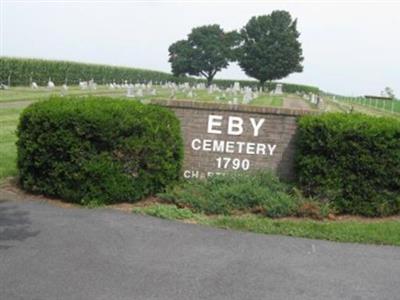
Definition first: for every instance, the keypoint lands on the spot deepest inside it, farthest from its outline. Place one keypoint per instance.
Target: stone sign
(224, 137)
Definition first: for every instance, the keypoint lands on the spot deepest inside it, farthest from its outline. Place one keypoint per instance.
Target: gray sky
(350, 47)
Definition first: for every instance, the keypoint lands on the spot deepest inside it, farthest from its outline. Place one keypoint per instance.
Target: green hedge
(352, 160)
(98, 150)
(22, 70)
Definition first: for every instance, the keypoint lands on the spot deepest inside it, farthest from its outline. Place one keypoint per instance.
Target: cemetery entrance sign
(220, 138)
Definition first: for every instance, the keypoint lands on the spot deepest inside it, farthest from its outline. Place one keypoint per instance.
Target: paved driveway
(48, 252)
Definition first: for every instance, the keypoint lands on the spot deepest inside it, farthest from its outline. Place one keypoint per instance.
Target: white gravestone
(50, 85)
(236, 87)
(278, 89)
(247, 96)
(83, 85)
(129, 91)
(139, 93)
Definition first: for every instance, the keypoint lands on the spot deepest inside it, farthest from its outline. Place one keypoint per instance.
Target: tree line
(266, 48)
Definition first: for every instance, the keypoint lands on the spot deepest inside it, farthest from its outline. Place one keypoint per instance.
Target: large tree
(270, 48)
(207, 50)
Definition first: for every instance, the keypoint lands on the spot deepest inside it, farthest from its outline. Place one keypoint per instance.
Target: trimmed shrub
(260, 192)
(352, 160)
(97, 150)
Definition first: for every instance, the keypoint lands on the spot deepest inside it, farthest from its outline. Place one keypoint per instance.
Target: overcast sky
(350, 47)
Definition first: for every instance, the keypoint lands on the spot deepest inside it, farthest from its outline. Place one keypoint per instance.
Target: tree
(389, 92)
(207, 50)
(270, 48)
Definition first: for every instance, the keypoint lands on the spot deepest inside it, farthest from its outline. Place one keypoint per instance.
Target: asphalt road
(48, 252)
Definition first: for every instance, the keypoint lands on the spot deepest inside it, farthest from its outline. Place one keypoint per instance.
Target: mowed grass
(368, 106)
(266, 100)
(28, 94)
(387, 105)
(382, 232)
(8, 153)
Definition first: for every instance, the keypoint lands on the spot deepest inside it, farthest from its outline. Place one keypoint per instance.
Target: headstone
(313, 99)
(236, 87)
(248, 95)
(200, 86)
(3, 86)
(83, 85)
(139, 93)
(278, 89)
(64, 89)
(173, 94)
(50, 85)
(92, 85)
(129, 91)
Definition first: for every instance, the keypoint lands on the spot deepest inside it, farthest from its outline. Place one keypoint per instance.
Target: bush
(352, 160)
(233, 192)
(97, 150)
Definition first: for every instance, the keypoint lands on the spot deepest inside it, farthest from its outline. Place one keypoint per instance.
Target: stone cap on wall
(190, 104)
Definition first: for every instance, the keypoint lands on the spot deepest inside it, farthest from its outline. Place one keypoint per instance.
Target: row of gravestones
(234, 93)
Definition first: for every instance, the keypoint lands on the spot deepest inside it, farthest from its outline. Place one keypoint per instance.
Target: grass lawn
(365, 106)
(28, 94)
(268, 101)
(382, 232)
(8, 125)
(390, 106)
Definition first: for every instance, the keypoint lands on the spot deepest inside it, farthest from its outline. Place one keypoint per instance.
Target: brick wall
(267, 140)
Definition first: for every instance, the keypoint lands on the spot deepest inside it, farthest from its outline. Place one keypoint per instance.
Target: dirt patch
(9, 190)
(128, 207)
